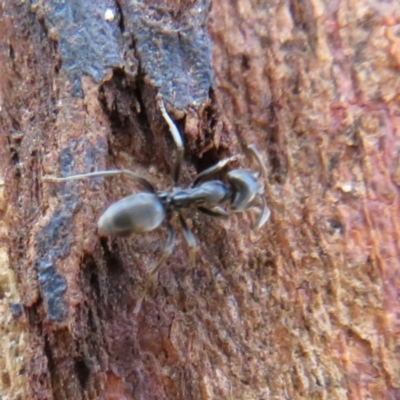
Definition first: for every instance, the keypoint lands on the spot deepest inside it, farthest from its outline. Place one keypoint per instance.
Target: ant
(142, 212)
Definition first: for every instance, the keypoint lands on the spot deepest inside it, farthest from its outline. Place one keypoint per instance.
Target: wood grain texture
(307, 307)
(318, 85)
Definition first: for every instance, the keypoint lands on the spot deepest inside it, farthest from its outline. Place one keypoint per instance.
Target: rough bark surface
(305, 308)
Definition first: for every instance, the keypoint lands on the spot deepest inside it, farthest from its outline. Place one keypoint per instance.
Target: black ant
(142, 212)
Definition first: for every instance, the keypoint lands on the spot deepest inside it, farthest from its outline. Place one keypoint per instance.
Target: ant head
(246, 188)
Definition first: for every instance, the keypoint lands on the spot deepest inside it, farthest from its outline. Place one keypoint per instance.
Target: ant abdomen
(138, 213)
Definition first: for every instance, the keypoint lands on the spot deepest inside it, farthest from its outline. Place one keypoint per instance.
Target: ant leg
(258, 157)
(213, 169)
(177, 139)
(264, 214)
(169, 247)
(190, 240)
(126, 172)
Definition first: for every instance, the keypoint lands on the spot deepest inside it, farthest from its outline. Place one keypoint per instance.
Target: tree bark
(306, 307)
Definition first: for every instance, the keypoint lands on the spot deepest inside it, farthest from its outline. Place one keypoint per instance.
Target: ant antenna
(260, 162)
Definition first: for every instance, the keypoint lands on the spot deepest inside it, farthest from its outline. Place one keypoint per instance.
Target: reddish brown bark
(307, 307)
